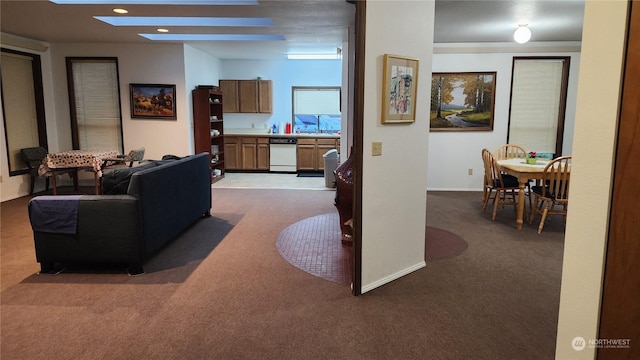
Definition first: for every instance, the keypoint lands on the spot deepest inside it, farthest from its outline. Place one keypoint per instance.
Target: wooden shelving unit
(208, 127)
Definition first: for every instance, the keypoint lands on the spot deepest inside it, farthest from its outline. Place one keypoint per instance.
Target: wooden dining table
(75, 159)
(519, 168)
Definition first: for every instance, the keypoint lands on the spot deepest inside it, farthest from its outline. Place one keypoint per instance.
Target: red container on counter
(287, 128)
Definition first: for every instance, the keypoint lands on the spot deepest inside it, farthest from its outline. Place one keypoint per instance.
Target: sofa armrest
(108, 230)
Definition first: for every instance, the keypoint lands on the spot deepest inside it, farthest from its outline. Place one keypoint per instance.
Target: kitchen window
(316, 109)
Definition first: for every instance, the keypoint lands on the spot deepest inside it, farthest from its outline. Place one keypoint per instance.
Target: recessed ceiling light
(121, 11)
(161, 30)
(213, 37)
(155, 2)
(183, 21)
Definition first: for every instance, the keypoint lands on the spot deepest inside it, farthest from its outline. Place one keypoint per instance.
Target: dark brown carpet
(221, 290)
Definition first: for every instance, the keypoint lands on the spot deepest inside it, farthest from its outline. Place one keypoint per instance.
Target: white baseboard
(390, 278)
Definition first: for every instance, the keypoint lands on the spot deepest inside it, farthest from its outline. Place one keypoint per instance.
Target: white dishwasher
(282, 154)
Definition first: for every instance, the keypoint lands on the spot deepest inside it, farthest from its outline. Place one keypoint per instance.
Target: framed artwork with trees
(462, 101)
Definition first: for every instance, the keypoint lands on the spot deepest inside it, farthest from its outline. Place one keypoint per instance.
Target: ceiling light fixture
(161, 30)
(121, 11)
(522, 34)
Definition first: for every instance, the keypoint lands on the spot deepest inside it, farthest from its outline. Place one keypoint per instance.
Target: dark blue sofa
(162, 199)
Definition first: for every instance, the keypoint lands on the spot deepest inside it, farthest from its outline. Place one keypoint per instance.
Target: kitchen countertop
(252, 132)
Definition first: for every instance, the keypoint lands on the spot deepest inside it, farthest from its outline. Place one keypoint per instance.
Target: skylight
(314, 56)
(155, 2)
(183, 21)
(213, 37)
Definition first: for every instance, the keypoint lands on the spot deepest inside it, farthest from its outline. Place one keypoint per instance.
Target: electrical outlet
(376, 148)
(470, 171)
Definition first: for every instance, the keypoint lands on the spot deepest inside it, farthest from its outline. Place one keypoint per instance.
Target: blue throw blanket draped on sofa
(54, 214)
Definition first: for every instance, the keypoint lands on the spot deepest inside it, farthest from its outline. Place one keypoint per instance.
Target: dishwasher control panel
(283, 140)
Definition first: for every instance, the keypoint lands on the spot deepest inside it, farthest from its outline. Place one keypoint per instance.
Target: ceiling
(307, 25)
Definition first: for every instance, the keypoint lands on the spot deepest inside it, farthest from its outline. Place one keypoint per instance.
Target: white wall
(394, 184)
(603, 41)
(452, 154)
(176, 64)
(200, 68)
(137, 63)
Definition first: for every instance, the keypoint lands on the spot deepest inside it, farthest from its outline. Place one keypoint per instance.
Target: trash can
(330, 166)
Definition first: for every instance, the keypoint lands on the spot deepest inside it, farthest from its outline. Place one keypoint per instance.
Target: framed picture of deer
(153, 101)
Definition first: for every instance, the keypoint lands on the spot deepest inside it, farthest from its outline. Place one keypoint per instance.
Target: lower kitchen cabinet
(246, 153)
(311, 151)
(307, 155)
(263, 153)
(232, 153)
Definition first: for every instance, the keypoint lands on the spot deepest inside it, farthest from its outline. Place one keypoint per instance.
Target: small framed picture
(399, 89)
(153, 101)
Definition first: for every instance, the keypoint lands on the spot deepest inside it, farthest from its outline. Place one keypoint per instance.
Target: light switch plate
(376, 148)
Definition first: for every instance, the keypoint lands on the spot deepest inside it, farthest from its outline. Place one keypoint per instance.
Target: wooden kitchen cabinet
(306, 154)
(232, 152)
(230, 90)
(247, 153)
(311, 150)
(263, 153)
(248, 96)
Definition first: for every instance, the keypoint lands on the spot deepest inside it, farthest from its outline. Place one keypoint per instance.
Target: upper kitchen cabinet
(247, 96)
(230, 90)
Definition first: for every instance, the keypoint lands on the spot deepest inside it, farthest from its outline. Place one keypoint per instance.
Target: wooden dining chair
(510, 151)
(551, 197)
(513, 151)
(500, 189)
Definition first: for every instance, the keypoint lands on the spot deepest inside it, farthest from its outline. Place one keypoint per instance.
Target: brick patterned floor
(314, 245)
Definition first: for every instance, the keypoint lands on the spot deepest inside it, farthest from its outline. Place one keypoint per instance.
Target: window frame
(562, 93)
(318, 88)
(75, 134)
(41, 122)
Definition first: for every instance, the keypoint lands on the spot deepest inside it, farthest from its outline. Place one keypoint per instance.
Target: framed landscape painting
(153, 101)
(462, 101)
(399, 89)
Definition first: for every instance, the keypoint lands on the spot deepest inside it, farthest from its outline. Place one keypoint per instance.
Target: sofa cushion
(116, 181)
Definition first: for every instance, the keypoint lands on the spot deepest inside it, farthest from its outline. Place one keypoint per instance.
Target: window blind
(316, 101)
(535, 102)
(97, 105)
(18, 93)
